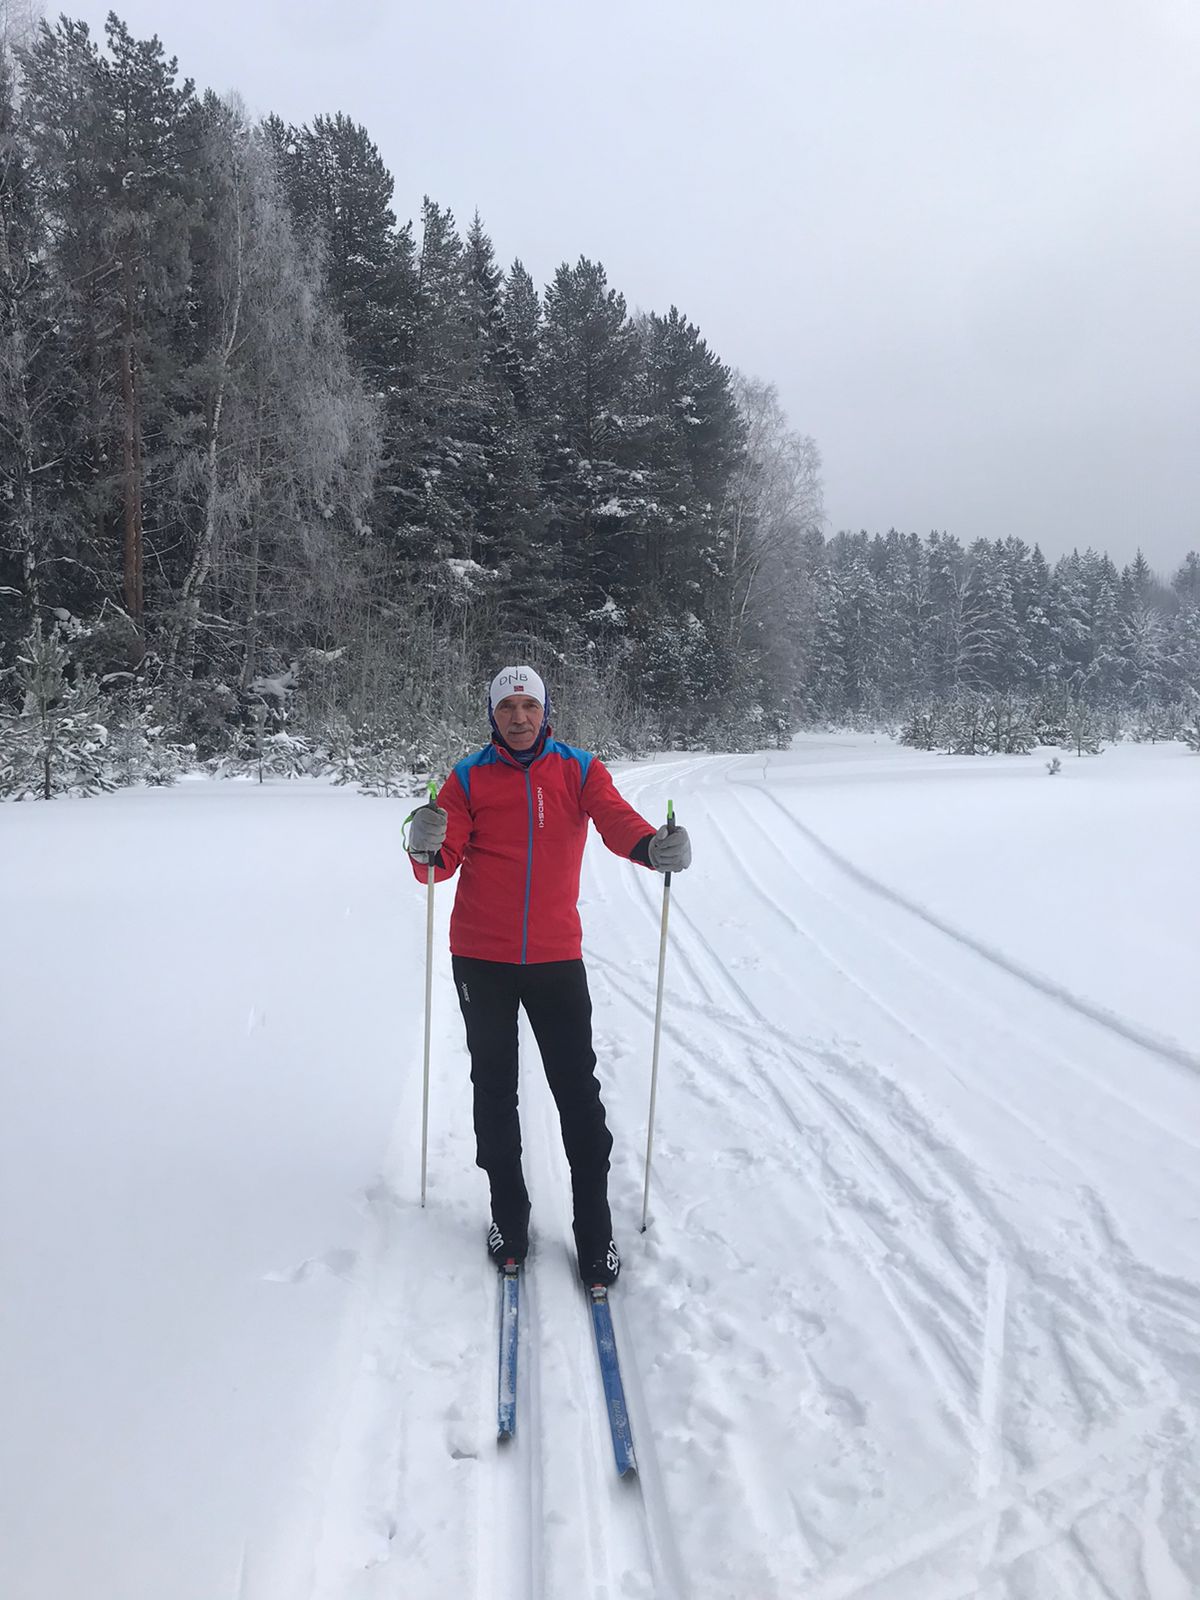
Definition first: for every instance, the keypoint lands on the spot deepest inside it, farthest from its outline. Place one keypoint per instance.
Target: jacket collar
(535, 752)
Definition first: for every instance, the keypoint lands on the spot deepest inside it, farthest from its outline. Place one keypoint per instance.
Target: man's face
(519, 718)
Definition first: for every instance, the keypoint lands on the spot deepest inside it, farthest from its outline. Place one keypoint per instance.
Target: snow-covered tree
(54, 741)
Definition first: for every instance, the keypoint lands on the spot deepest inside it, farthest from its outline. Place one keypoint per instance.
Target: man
(514, 816)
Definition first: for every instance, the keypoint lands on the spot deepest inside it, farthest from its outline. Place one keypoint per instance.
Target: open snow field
(918, 1313)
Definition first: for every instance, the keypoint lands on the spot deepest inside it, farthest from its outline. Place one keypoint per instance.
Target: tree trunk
(250, 644)
(21, 429)
(133, 582)
(14, 386)
(182, 655)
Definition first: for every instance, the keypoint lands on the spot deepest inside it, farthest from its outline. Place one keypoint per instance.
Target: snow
(466, 571)
(916, 1315)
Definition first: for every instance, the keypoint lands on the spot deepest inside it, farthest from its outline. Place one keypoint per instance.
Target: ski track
(629, 1544)
(1165, 1049)
(510, 1516)
(1051, 1370)
(979, 1304)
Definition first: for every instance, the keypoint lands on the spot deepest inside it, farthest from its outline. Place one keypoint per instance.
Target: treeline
(282, 479)
(901, 623)
(255, 433)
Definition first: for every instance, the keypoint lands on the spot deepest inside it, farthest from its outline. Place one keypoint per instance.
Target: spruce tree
(1186, 582)
(1183, 648)
(434, 521)
(523, 321)
(859, 619)
(1038, 629)
(692, 439)
(54, 741)
(502, 491)
(588, 365)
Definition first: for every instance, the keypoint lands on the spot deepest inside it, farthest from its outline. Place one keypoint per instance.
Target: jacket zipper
(528, 868)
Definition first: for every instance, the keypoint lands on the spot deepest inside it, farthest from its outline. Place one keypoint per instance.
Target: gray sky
(962, 236)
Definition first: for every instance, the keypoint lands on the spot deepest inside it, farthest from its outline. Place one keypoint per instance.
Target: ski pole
(428, 1006)
(658, 1005)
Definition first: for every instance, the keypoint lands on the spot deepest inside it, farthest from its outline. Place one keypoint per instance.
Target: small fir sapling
(55, 743)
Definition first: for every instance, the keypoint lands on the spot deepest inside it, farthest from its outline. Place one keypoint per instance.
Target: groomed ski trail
(536, 1516)
(970, 1380)
(1002, 1308)
(630, 1542)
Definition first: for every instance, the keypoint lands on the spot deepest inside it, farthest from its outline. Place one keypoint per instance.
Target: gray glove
(670, 852)
(427, 832)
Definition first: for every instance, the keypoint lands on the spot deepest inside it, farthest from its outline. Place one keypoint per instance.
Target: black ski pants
(559, 1007)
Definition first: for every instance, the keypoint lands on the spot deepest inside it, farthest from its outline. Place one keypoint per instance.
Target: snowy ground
(918, 1313)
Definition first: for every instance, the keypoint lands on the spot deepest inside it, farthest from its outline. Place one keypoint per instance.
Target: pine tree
(30, 374)
(65, 129)
(150, 121)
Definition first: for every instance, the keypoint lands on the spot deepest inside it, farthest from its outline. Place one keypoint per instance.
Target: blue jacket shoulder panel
(568, 752)
(480, 758)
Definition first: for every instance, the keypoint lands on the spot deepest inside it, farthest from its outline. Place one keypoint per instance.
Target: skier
(514, 815)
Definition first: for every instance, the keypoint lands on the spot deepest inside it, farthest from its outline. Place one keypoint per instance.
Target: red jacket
(518, 832)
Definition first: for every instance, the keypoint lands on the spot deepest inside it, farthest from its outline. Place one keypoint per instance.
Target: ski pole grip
(670, 829)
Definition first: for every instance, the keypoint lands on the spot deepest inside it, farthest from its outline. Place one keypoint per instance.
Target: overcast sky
(961, 236)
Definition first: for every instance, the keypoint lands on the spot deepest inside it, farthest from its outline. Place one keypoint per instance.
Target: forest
(283, 479)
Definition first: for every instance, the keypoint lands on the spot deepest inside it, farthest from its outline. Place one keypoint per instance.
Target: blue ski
(610, 1372)
(506, 1398)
